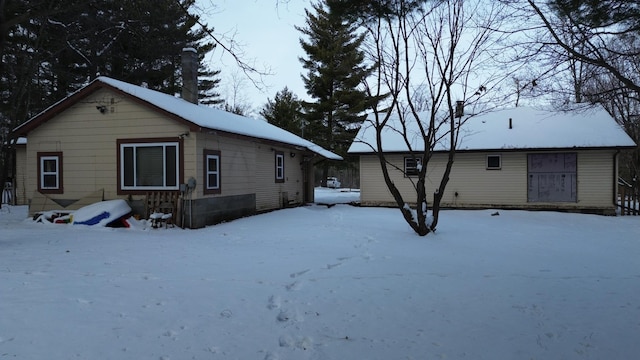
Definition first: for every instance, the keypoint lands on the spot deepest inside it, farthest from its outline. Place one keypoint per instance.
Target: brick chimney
(190, 75)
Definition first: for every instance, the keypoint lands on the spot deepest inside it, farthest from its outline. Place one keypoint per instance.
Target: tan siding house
(115, 140)
(519, 172)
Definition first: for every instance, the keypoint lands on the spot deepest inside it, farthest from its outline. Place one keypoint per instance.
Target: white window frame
(499, 167)
(215, 171)
(164, 146)
(279, 166)
(55, 173)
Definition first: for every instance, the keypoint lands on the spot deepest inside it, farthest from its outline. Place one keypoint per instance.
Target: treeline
(50, 48)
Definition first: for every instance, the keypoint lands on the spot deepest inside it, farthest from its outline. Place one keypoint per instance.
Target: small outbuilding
(114, 140)
(520, 158)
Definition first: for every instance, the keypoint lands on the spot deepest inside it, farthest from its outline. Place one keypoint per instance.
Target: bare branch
(234, 49)
(427, 61)
(599, 59)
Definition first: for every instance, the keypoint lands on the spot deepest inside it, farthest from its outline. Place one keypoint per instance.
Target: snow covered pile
(113, 213)
(320, 282)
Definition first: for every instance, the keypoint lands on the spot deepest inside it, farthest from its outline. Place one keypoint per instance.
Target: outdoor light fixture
(102, 109)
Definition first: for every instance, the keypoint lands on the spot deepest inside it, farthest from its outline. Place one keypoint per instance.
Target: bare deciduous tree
(589, 52)
(437, 58)
(589, 41)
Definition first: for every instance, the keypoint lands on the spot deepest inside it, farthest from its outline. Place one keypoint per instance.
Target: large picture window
(212, 172)
(149, 166)
(50, 173)
(279, 166)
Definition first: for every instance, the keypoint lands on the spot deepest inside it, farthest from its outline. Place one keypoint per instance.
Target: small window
(412, 166)
(212, 172)
(494, 162)
(50, 173)
(279, 166)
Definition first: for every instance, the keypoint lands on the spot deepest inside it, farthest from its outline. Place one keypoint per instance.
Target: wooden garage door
(552, 177)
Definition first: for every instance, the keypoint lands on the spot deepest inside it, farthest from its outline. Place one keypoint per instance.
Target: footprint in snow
(296, 285)
(170, 333)
(296, 274)
(226, 313)
(286, 315)
(274, 302)
(300, 342)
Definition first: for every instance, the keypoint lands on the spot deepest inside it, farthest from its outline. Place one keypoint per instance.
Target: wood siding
(271, 194)
(87, 139)
(237, 164)
(597, 178)
(471, 185)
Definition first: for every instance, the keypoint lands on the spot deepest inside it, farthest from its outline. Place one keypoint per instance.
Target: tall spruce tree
(335, 74)
(285, 111)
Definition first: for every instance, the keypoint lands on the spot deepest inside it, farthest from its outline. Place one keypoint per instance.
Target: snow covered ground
(320, 282)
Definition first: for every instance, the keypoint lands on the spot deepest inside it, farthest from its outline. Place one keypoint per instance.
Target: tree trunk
(437, 196)
(325, 173)
(418, 225)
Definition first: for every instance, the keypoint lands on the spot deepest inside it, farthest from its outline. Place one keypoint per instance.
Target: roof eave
(615, 147)
(55, 109)
(69, 101)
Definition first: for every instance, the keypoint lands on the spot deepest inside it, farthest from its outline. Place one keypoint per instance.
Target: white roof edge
(217, 119)
(207, 117)
(514, 129)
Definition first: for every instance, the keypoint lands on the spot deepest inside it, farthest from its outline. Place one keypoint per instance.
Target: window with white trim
(279, 162)
(212, 172)
(494, 162)
(149, 166)
(50, 172)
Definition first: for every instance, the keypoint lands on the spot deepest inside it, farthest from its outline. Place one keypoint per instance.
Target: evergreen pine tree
(134, 41)
(335, 72)
(285, 111)
(51, 48)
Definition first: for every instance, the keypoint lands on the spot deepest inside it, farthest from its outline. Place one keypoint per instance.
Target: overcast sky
(265, 29)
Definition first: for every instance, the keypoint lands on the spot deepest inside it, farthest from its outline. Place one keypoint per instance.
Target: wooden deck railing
(628, 199)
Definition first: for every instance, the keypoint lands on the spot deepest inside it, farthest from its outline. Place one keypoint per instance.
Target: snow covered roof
(198, 115)
(531, 129)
